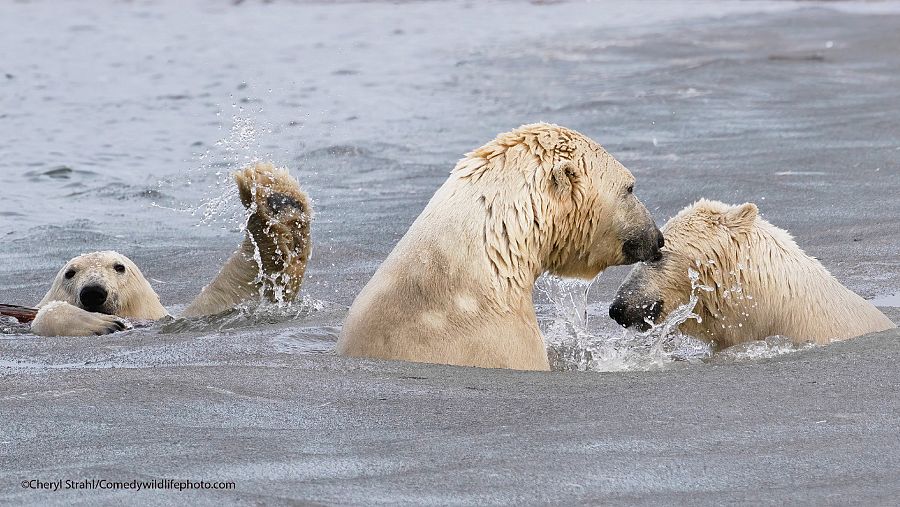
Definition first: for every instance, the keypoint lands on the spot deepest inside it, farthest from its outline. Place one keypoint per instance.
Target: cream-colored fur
(272, 258)
(270, 263)
(760, 283)
(457, 288)
(59, 318)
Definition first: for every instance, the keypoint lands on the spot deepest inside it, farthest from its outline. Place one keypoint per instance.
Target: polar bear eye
(120, 268)
(69, 274)
(630, 189)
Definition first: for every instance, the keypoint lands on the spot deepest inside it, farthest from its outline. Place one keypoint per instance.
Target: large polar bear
(92, 292)
(457, 288)
(754, 282)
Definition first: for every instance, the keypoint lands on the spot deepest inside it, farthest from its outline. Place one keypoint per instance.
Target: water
(254, 335)
(892, 300)
(122, 124)
(575, 342)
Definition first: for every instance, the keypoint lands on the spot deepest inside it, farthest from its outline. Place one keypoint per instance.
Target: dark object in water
(814, 57)
(20, 313)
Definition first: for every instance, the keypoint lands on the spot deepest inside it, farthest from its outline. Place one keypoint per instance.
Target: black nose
(628, 315)
(617, 311)
(92, 297)
(661, 242)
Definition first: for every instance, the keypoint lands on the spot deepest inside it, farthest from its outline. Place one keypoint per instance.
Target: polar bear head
(712, 239)
(106, 282)
(554, 200)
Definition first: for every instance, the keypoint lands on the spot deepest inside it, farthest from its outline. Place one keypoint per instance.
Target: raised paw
(279, 224)
(272, 193)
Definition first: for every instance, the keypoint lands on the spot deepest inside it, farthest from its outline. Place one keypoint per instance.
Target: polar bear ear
(741, 216)
(564, 177)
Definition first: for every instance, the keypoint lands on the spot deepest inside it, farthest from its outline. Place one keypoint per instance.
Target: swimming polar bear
(457, 288)
(758, 283)
(93, 292)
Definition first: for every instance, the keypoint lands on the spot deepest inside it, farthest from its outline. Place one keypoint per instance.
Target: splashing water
(11, 326)
(569, 298)
(772, 346)
(565, 319)
(665, 343)
(218, 203)
(576, 343)
(274, 285)
(210, 180)
(573, 344)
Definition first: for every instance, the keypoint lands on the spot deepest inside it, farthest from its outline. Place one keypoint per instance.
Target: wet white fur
(782, 290)
(130, 294)
(457, 288)
(59, 318)
(132, 297)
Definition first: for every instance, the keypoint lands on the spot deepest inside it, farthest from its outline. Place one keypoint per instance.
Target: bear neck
(479, 248)
(780, 290)
(508, 243)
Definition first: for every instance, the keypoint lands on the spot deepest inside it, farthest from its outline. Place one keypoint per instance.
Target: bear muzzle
(93, 298)
(644, 248)
(635, 315)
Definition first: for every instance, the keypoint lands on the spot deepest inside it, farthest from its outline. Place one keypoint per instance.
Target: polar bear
(93, 292)
(754, 282)
(457, 288)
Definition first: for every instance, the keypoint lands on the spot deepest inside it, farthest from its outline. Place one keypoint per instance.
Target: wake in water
(248, 134)
(575, 343)
(253, 315)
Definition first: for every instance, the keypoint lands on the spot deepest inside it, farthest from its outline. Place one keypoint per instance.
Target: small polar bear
(93, 292)
(753, 282)
(457, 288)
